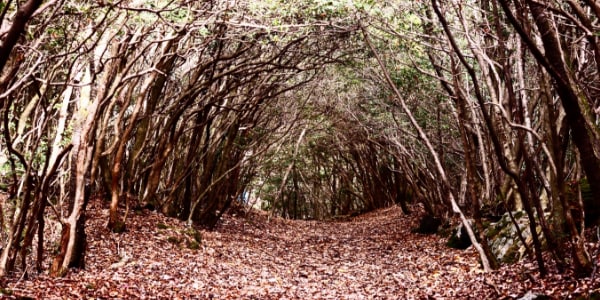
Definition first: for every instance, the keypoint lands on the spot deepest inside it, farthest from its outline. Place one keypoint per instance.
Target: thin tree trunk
(113, 221)
(495, 140)
(482, 255)
(278, 197)
(585, 134)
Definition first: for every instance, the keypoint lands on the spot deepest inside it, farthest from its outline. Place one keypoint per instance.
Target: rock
(428, 225)
(504, 239)
(531, 296)
(459, 239)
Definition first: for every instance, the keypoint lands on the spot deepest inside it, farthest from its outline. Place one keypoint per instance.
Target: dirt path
(374, 256)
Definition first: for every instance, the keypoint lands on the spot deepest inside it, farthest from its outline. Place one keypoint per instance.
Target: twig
(22, 275)
(496, 290)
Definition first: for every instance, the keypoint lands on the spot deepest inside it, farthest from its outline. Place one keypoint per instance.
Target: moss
(173, 240)
(193, 245)
(507, 234)
(55, 249)
(6, 292)
(492, 231)
(198, 237)
(512, 255)
(195, 234)
(162, 226)
(519, 214)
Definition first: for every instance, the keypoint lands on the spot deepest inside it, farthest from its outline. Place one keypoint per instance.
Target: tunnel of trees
(306, 109)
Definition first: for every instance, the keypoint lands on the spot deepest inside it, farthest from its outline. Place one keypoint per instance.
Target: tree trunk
(585, 133)
(482, 255)
(17, 27)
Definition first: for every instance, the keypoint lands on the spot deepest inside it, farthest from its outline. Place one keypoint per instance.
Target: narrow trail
(374, 256)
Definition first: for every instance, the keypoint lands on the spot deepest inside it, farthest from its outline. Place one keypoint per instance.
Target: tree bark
(23, 16)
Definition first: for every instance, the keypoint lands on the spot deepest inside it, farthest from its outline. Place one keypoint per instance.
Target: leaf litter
(254, 256)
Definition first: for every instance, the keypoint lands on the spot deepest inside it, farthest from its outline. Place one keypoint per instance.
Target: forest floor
(373, 256)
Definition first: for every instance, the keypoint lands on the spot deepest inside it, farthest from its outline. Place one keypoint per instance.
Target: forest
(372, 134)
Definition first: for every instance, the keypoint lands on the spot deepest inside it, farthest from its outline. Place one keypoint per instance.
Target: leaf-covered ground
(374, 256)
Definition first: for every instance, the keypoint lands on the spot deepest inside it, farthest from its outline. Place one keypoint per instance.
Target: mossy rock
(517, 215)
(503, 237)
(512, 255)
(492, 231)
